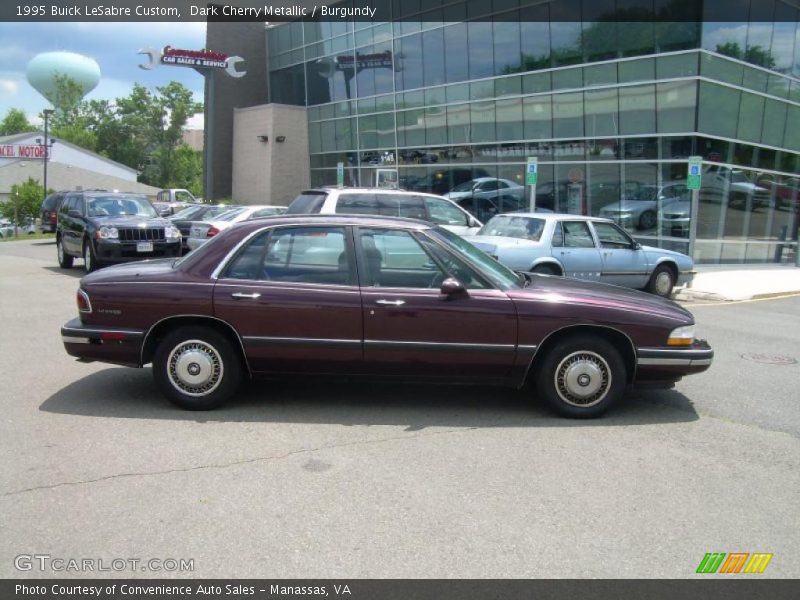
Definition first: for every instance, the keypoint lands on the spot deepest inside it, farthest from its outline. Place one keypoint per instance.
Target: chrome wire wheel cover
(195, 368)
(87, 256)
(663, 283)
(583, 379)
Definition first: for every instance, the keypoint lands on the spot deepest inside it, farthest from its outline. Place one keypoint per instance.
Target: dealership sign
(22, 151)
(196, 59)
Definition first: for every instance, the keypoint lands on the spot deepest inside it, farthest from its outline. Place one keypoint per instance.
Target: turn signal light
(212, 231)
(682, 336)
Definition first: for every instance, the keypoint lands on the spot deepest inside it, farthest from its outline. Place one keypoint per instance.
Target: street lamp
(47, 112)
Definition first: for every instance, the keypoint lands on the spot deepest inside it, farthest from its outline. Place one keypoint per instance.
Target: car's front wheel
(197, 368)
(662, 281)
(89, 257)
(581, 377)
(64, 259)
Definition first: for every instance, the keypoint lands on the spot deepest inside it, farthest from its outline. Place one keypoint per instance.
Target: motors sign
(22, 151)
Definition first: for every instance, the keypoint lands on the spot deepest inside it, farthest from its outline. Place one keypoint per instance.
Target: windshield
(229, 215)
(739, 177)
(524, 228)
(464, 187)
(645, 192)
(187, 213)
(501, 276)
(120, 206)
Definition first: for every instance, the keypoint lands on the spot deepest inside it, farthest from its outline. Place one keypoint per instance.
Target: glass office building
(610, 103)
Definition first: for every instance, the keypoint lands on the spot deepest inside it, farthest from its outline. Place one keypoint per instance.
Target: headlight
(172, 233)
(107, 233)
(682, 336)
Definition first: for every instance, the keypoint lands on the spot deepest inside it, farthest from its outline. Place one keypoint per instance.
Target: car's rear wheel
(64, 259)
(89, 258)
(662, 281)
(581, 377)
(197, 368)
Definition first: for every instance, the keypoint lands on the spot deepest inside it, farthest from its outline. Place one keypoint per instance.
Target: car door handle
(242, 296)
(390, 302)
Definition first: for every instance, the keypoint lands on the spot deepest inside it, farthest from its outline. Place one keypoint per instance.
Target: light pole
(47, 144)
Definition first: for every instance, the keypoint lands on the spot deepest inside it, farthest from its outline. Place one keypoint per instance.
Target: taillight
(53, 217)
(84, 305)
(212, 231)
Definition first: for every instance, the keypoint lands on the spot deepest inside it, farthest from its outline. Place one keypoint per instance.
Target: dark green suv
(112, 227)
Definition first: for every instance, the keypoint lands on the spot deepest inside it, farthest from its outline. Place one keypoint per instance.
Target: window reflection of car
(251, 306)
(717, 181)
(640, 209)
(487, 187)
(583, 247)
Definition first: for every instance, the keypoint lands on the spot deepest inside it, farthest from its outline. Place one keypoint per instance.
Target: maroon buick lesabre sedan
(364, 296)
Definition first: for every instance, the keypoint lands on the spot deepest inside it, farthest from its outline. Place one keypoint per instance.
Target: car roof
(342, 219)
(555, 216)
(328, 189)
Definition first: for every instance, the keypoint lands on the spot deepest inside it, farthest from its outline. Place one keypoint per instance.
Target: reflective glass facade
(611, 109)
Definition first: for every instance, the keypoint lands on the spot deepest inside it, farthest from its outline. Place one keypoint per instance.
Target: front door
(411, 329)
(623, 263)
(291, 294)
(574, 247)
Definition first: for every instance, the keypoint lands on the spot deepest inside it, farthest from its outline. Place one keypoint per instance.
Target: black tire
(661, 281)
(64, 259)
(544, 270)
(578, 364)
(647, 220)
(89, 257)
(191, 349)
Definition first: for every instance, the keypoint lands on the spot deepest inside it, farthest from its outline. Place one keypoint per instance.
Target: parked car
(202, 231)
(49, 211)
(676, 218)
(307, 295)
(170, 201)
(183, 219)
(640, 209)
(583, 247)
(487, 187)
(384, 202)
(8, 229)
(269, 211)
(112, 227)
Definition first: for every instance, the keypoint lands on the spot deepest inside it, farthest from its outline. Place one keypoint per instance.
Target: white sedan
(202, 231)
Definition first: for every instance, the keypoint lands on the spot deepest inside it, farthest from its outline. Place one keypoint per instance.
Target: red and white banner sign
(22, 151)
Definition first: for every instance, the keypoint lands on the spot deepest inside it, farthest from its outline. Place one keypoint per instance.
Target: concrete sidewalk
(727, 283)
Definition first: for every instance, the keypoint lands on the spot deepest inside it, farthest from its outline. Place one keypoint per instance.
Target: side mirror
(452, 289)
(473, 222)
(637, 246)
(75, 214)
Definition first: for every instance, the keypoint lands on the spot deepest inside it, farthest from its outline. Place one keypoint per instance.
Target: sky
(113, 45)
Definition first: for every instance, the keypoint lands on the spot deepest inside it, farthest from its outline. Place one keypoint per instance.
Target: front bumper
(670, 364)
(112, 251)
(90, 343)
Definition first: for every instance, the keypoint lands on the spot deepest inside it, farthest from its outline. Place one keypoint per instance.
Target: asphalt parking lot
(349, 481)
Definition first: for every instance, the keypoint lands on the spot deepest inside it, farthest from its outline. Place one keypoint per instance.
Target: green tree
(15, 121)
(187, 170)
(73, 117)
(25, 199)
(756, 55)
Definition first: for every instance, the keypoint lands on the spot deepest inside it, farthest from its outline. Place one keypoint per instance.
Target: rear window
(50, 202)
(307, 203)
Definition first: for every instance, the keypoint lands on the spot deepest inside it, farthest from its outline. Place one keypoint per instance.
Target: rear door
(574, 247)
(292, 295)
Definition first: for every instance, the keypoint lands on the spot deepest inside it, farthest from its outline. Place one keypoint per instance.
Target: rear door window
(443, 212)
(357, 204)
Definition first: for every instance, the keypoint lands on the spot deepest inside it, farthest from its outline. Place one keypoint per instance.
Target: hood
(681, 207)
(458, 195)
(491, 243)
(564, 289)
(130, 271)
(627, 205)
(129, 221)
(653, 254)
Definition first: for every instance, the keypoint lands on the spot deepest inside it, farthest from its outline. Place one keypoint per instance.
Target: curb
(699, 295)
